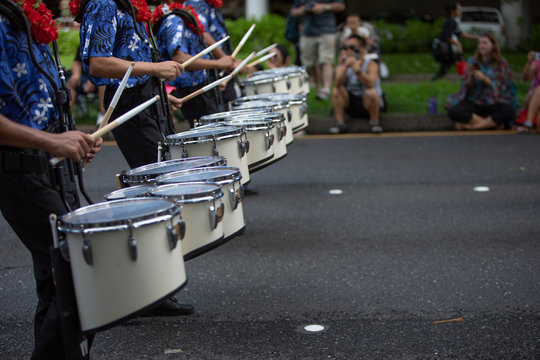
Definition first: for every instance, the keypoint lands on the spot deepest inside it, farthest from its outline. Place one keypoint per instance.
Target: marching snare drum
(129, 192)
(227, 141)
(264, 84)
(125, 256)
(229, 179)
(279, 132)
(260, 135)
(297, 78)
(202, 211)
(227, 115)
(147, 173)
(297, 106)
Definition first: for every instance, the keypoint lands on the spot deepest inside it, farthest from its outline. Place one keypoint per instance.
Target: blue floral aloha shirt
(25, 94)
(107, 30)
(210, 17)
(173, 35)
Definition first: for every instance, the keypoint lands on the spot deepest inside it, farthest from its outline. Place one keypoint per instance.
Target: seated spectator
(281, 59)
(357, 86)
(355, 26)
(485, 100)
(532, 100)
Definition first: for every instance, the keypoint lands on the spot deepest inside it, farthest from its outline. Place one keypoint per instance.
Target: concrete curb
(390, 123)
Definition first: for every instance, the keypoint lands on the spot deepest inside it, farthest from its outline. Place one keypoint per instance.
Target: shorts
(356, 105)
(316, 50)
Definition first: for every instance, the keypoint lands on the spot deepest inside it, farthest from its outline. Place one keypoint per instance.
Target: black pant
(502, 114)
(204, 104)
(26, 201)
(137, 138)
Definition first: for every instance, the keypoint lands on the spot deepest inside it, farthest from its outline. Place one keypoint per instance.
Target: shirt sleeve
(171, 36)
(100, 29)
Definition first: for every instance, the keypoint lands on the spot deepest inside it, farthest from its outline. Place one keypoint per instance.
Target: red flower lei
(142, 12)
(41, 20)
(215, 3)
(166, 9)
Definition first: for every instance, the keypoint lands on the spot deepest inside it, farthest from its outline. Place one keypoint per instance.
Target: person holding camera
(357, 87)
(317, 39)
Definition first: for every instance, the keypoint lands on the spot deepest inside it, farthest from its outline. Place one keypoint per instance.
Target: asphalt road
(408, 262)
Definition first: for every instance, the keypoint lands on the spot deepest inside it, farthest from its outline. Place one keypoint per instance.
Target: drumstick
(52, 221)
(117, 122)
(265, 50)
(240, 44)
(116, 96)
(240, 66)
(260, 60)
(205, 88)
(243, 41)
(205, 51)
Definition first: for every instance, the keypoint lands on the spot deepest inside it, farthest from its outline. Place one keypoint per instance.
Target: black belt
(11, 161)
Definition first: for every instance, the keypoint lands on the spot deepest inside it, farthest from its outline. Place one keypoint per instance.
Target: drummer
(27, 194)
(215, 29)
(179, 38)
(106, 57)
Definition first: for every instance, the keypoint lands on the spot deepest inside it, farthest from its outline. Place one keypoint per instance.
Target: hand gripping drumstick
(217, 82)
(260, 60)
(240, 44)
(205, 51)
(119, 121)
(239, 67)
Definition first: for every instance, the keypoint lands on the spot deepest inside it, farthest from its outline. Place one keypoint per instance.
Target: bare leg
(372, 103)
(340, 101)
(533, 107)
(327, 73)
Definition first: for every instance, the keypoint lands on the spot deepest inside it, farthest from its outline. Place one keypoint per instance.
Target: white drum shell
(272, 85)
(279, 147)
(233, 219)
(258, 152)
(227, 148)
(299, 117)
(199, 233)
(114, 286)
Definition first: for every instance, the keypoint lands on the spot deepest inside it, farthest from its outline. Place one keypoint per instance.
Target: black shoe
(338, 128)
(169, 307)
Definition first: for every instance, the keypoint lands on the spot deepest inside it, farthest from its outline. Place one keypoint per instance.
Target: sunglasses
(350, 47)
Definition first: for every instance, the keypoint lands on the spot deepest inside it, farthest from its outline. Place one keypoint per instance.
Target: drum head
(129, 192)
(217, 174)
(223, 116)
(203, 135)
(149, 172)
(113, 213)
(269, 104)
(188, 192)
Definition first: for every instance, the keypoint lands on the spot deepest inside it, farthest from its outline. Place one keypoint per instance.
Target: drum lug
(172, 235)
(303, 110)
(215, 151)
(181, 228)
(87, 252)
(288, 84)
(233, 196)
(268, 140)
(132, 243)
(221, 212)
(214, 220)
(184, 153)
(241, 148)
(246, 145)
(289, 115)
(282, 132)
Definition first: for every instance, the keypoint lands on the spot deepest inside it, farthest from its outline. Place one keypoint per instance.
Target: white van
(477, 20)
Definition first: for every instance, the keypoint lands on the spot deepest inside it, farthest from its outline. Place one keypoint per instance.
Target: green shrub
(269, 29)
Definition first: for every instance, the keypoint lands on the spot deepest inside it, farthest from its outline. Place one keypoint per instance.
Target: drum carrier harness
(13, 159)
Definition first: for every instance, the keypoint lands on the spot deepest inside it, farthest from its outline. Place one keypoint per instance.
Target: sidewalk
(390, 123)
